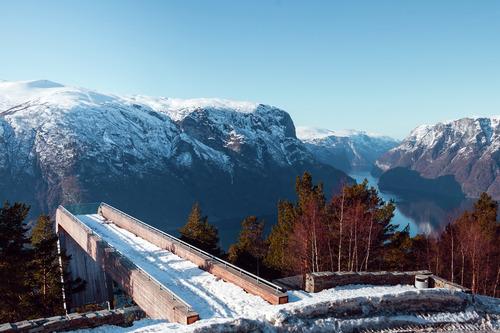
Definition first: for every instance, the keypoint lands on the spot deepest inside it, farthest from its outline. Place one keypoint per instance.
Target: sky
(379, 66)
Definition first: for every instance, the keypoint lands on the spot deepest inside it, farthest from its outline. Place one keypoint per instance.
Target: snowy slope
(62, 144)
(468, 149)
(347, 149)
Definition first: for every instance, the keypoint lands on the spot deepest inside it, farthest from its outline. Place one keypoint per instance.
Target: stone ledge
(73, 321)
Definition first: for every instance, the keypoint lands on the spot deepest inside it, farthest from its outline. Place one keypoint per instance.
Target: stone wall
(73, 321)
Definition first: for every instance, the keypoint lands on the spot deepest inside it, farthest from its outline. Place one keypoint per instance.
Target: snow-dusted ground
(315, 313)
(224, 307)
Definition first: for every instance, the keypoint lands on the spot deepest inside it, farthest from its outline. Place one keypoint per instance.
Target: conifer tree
(198, 232)
(306, 192)
(250, 248)
(398, 252)
(277, 256)
(485, 214)
(47, 275)
(16, 300)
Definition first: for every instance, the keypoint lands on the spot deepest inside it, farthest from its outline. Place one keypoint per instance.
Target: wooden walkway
(101, 255)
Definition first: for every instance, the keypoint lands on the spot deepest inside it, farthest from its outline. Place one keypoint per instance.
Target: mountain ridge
(467, 148)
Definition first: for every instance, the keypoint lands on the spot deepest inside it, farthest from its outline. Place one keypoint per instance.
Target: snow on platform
(208, 295)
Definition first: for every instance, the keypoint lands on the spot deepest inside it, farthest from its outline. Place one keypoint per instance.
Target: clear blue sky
(381, 66)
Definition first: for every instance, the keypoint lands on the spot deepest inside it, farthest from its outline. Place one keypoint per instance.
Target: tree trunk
(463, 267)
(474, 263)
(349, 268)
(496, 282)
(340, 231)
(452, 257)
(330, 253)
(369, 243)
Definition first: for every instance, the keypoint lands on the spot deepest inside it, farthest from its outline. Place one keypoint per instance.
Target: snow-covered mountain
(468, 149)
(347, 150)
(61, 144)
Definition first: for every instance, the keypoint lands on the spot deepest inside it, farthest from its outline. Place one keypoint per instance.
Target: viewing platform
(168, 278)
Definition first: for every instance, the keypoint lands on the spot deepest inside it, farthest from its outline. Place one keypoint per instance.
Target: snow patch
(313, 133)
(178, 109)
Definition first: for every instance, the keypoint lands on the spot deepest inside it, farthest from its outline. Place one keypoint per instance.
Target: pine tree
(277, 256)
(306, 191)
(47, 276)
(16, 299)
(485, 214)
(250, 248)
(398, 251)
(198, 232)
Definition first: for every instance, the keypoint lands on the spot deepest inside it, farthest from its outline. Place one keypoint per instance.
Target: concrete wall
(227, 273)
(315, 282)
(151, 296)
(74, 321)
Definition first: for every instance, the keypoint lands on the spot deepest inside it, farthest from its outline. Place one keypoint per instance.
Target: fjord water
(399, 218)
(421, 214)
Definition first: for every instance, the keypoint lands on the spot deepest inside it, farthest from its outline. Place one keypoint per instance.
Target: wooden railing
(257, 279)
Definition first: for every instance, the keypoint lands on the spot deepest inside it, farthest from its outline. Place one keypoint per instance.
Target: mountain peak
(178, 109)
(42, 84)
(29, 84)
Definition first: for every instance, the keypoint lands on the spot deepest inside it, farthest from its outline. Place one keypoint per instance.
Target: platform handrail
(139, 269)
(194, 248)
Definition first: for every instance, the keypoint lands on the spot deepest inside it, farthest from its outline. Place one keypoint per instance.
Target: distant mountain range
(347, 150)
(467, 149)
(153, 156)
